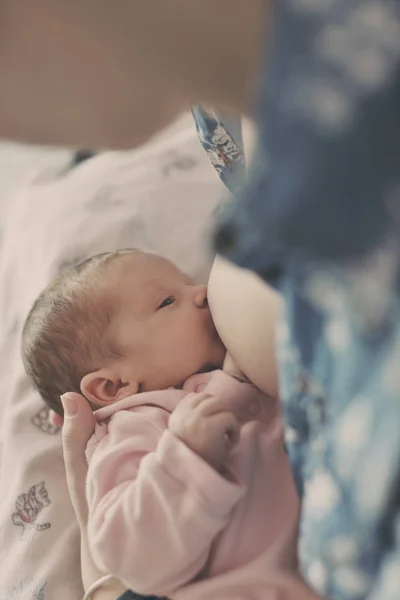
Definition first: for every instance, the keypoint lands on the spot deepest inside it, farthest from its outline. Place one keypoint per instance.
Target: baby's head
(116, 324)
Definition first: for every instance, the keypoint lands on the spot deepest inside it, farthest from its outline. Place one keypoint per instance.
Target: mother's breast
(245, 312)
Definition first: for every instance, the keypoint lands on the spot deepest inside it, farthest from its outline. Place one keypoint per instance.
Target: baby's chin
(216, 361)
(219, 353)
(207, 368)
(211, 365)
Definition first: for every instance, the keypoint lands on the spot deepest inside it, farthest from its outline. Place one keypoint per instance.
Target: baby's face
(162, 321)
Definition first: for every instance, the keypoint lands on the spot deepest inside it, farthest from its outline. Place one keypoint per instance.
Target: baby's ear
(104, 386)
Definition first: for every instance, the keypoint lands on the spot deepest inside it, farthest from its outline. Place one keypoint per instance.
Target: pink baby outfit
(166, 523)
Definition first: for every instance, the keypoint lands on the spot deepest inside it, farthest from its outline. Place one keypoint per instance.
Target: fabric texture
(221, 138)
(164, 521)
(319, 218)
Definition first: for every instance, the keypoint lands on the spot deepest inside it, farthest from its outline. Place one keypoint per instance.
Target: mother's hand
(77, 428)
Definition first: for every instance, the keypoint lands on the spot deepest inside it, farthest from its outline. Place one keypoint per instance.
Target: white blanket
(161, 198)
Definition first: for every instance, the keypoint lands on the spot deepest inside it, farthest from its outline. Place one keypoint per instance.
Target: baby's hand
(207, 426)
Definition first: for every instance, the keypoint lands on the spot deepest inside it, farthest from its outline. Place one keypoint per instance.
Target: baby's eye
(166, 302)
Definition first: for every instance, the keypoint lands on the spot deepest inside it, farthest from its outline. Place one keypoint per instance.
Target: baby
(189, 488)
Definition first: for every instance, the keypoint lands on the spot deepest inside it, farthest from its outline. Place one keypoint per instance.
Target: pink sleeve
(155, 507)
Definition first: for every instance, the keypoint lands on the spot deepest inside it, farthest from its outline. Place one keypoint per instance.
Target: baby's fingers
(194, 399)
(212, 405)
(227, 425)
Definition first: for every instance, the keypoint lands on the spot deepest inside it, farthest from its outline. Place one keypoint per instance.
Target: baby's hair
(65, 333)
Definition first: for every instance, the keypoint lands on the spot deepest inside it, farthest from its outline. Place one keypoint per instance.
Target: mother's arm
(245, 312)
(109, 74)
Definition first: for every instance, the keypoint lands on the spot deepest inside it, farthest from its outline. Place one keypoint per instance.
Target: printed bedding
(160, 197)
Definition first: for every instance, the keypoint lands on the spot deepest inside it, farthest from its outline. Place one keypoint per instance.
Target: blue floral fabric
(222, 141)
(319, 218)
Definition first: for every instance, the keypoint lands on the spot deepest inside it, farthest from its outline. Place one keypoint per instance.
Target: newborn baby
(189, 488)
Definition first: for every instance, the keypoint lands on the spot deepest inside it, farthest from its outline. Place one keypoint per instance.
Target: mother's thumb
(78, 421)
(77, 429)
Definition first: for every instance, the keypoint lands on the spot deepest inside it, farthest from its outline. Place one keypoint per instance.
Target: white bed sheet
(161, 198)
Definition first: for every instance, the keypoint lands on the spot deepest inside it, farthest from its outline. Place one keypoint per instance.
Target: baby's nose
(200, 296)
